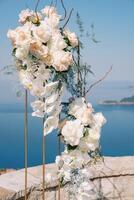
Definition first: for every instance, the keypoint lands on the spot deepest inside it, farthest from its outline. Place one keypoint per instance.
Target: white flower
(42, 33)
(76, 105)
(22, 52)
(72, 132)
(99, 119)
(38, 108)
(21, 36)
(50, 124)
(49, 10)
(53, 98)
(37, 87)
(53, 21)
(82, 111)
(25, 78)
(91, 141)
(57, 42)
(62, 60)
(43, 71)
(24, 15)
(11, 34)
(28, 15)
(50, 88)
(54, 108)
(72, 38)
(39, 50)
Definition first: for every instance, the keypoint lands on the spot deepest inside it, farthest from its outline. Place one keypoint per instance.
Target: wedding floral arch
(47, 60)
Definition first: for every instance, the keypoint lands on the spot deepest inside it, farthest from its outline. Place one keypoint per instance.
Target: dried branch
(68, 18)
(100, 80)
(65, 11)
(36, 7)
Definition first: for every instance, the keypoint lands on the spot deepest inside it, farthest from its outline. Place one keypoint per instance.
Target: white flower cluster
(41, 37)
(40, 49)
(49, 107)
(81, 135)
(42, 52)
(84, 130)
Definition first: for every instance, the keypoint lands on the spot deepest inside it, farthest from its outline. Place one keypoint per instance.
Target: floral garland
(81, 134)
(43, 55)
(41, 50)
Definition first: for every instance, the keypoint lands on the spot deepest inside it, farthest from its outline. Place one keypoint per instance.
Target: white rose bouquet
(42, 51)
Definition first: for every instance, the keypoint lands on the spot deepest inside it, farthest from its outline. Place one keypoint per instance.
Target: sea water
(117, 136)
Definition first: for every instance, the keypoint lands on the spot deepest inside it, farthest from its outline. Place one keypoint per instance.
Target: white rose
(22, 52)
(57, 42)
(76, 105)
(50, 124)
(72, 38)
(99, 119)
(53, 21)
(82, 111)
(85, 116)
(91, 141)
(12, 36)
(42, 33)
(72, 132)
(28, 14)
(23, 35)
(24, 15)
(49, 10)
(38, 49)
(62, 60)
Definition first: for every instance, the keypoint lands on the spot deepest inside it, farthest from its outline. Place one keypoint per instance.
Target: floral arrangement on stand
(81, 135)
(42, 52)
(47, 60)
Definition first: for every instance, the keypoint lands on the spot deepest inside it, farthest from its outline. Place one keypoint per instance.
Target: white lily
(50, 124)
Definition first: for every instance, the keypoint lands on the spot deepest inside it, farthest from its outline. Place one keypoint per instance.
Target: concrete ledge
(113, 179)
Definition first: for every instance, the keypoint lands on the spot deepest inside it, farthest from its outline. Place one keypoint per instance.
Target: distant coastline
(124, 102)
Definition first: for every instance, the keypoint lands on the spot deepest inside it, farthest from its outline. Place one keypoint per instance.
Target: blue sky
(114, 26)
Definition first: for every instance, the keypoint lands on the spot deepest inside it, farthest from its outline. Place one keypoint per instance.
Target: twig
(65, 11)
(68, 18)
(36, 7)
(100, 80)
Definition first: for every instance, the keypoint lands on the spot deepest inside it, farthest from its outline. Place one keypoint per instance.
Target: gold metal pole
(43, 163)
(59, 152)
(26, 139)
